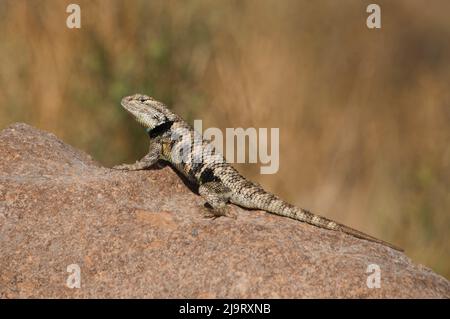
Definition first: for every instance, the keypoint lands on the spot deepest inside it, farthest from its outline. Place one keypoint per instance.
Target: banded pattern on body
(175, 141)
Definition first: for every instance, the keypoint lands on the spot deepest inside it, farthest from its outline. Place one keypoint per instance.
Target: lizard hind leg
(217, 196)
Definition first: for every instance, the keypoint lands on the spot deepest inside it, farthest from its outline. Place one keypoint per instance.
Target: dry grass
(363, 115)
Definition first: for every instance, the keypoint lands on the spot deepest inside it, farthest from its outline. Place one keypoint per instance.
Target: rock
(143, 234)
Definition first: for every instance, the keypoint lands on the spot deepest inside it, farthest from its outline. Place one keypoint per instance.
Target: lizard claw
(122, 167)
(221, 212)
(210, 215)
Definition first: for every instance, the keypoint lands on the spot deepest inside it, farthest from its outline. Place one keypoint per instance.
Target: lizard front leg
(146, 162)
(217, 196)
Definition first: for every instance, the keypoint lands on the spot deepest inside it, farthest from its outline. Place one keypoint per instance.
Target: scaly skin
(175, 141)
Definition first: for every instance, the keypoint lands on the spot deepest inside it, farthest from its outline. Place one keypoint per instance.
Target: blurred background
(363, 114)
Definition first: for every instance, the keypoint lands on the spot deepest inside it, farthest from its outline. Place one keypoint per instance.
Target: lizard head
(147, 111)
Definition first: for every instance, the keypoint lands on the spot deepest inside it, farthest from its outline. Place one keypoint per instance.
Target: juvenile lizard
(175, 141)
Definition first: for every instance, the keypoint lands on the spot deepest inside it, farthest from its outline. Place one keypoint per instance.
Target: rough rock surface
(143, 234)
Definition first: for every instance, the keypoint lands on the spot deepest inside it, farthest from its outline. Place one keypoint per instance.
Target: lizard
(174, 141)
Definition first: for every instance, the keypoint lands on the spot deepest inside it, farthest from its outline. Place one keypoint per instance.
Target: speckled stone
(143, 234)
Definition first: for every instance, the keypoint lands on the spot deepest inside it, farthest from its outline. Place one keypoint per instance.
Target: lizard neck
(159, 130)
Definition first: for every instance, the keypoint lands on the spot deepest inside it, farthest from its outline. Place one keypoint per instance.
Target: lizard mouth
(126, 100)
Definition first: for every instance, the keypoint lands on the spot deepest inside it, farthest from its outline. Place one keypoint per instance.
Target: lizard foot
(226, 211)
(123, 167)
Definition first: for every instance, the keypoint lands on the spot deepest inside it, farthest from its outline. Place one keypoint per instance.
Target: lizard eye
(143, 99)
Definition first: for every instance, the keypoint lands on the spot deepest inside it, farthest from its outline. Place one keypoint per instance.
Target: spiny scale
(219, 183)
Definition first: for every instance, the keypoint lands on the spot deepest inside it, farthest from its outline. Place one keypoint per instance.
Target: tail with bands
(302, 215)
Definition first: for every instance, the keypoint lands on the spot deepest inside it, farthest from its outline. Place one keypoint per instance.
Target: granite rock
(144, 234)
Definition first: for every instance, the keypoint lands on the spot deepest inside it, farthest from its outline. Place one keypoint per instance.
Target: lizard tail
(358, 234)
(281, 208)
